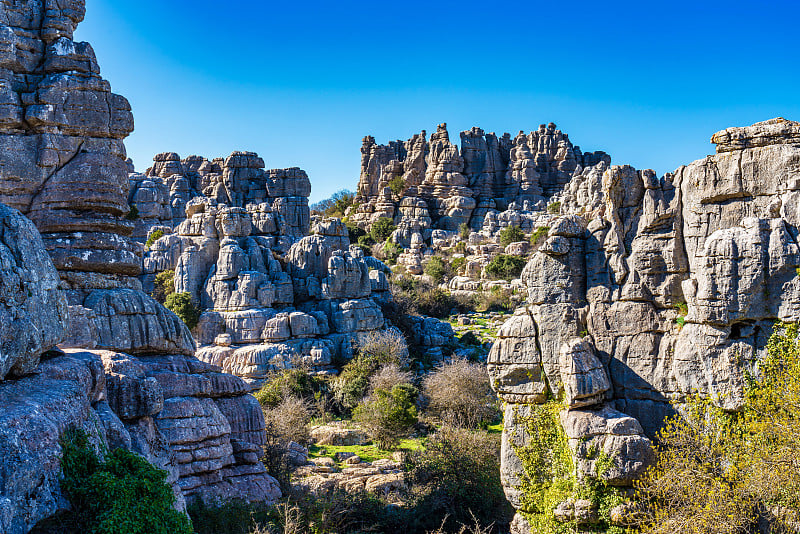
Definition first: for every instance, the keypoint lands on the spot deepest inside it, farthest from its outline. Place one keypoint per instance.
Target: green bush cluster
(155, 236)
(388, 415)
(554, 208)
(181, 305)
(505, 267)
(296, 382)
(437, 269)
(458, 265)
(539, 235)
(397, 185)
(336, 205)
(118, 493)
(164, 285)
(381, 229)
(464, 231)
(133, 212)
(511, 234)
(392, 251)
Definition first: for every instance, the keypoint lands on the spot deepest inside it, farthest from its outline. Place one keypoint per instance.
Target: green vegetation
(458, 393)
(296, 382)
(397, 185)
(365, 243)
(133, 212)
(388, 416)
(437, 269)
(554, 208)
(181, 305)
(459, 265)
(369, 452)
(539, 235)
(464, 231)
(336, 205)
(376, 350)
(120, 492)
(164, 285)
(505, 267)
(154, 236)
(715, 470)
(392, 251)
(511, 234)
(381, 229)
(353, 231)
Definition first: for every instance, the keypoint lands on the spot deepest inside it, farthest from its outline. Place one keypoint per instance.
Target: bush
(435, 302)
(554, 208)
(381, 229)
(505, 267)
(539, 235)
(388, 416)
(459, 393)
(365, 243)
(182, 306)
(289, 419)
(336, 205)
(155, 236)
(296, 382)
(453, 479)
(353, 230)
(714, 469)
(397, 185)
(464, 231)
(377, 349)
(164, 285)
(133, 212)
(497, 299)
(437, 269)
(511, 234)
(121, 492)
(235, 517)
(458, 265)
(392, 251)
(389, 376)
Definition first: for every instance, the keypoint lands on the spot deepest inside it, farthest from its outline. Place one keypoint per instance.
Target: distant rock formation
(438, 186)
(650, 289)
(129, 377)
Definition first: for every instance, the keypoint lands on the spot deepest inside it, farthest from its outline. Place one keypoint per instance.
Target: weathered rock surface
(649, 289)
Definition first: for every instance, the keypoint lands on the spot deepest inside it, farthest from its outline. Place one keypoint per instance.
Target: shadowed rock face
(673, 284)
(63, 165)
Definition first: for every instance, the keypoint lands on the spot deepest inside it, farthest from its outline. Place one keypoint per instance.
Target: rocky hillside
(663, 288)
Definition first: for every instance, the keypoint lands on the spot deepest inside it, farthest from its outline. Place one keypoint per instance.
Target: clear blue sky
(301, 82)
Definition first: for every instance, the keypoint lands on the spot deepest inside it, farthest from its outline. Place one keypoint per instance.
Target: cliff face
(129, 377)
(665, 287)
(454, 186)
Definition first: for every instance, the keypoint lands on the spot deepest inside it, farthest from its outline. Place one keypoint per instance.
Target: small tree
(381, 229)
(164, 285)
(336, 205)
(388, 416)
(181, 305)
(464, 231)
(511, 234)
(459, 393)
(437, 269)
(155, 236)
(505, 267)
(397, 185)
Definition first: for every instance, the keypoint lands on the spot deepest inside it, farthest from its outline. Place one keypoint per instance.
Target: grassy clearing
(368, 453)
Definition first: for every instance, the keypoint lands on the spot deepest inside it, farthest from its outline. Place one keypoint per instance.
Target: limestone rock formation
(649, 289)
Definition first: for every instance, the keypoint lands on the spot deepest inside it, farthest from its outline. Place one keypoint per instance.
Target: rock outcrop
(275, 288)
(650, 289)
(63, 165)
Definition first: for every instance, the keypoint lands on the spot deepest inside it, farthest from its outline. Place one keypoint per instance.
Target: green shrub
(511, 234)
(121, 492)
(133, 212)
(377, 349)
(392, 251)
(296, 382)
(234, 517)
(155, 236)
(365, 243)
(461, 247)
(181, 305)
(164, 285)
(437, 269)
(539, 235)
(381, 229)
(458, 264)
(354, 232)
(464, 231)
(454, 478)
(496, 299)
(554, 208)
(436, 302)
(388, 416)
(505, 267)
(397, 185)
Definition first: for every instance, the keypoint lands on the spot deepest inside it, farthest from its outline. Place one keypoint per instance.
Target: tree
(511, 234)
(437, 269)
(397, 185)
(388, 416)
(164, 285)
(381, 229)
(336, 205)
(459, 393)
(181, 305)
(505, 267)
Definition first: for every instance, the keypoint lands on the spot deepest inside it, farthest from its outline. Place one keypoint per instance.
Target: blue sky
(302, 82)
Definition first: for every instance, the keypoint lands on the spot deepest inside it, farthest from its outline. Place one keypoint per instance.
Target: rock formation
(129, 376)
(665, 287)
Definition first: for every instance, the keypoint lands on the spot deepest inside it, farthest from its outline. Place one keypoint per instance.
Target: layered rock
(671, 288)
(273, 292)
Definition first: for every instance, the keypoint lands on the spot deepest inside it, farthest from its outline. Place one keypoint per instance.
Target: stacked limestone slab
(276, 289)
(669, 286)
(62, 164)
